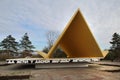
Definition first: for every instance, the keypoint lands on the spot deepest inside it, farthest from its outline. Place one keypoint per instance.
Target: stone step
(62, 65)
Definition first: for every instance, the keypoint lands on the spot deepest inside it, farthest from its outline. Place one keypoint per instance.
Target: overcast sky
(36, 17)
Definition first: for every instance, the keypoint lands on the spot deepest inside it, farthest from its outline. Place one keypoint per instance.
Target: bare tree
(51, 38)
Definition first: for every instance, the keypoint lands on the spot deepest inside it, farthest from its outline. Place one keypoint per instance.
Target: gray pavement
(93, 72)
(108, 63)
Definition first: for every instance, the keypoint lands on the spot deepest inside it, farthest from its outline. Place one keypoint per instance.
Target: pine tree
(9, 45)
(26, 45)
(115, 42)
(115, 48)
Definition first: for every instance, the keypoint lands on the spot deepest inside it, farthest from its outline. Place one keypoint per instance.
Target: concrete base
(49, 61)
(62, 65)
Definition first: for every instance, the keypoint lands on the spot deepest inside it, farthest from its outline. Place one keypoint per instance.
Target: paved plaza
(96, 71)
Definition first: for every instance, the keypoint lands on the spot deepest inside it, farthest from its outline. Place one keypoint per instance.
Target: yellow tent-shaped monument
(76, 40)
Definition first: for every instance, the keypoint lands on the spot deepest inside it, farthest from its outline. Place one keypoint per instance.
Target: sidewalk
(107, 63)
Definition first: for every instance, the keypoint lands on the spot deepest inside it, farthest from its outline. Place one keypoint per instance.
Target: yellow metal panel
(42, 54)
(105, 53)
(55, 45)
(77, 39)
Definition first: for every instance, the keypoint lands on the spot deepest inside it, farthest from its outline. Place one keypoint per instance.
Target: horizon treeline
(10, 48)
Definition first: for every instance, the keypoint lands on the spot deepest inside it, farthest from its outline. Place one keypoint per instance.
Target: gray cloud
(38, 16)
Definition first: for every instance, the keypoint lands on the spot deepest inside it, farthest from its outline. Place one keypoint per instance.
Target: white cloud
(38, 16)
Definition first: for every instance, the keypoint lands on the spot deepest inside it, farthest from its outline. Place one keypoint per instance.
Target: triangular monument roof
(76, 40)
